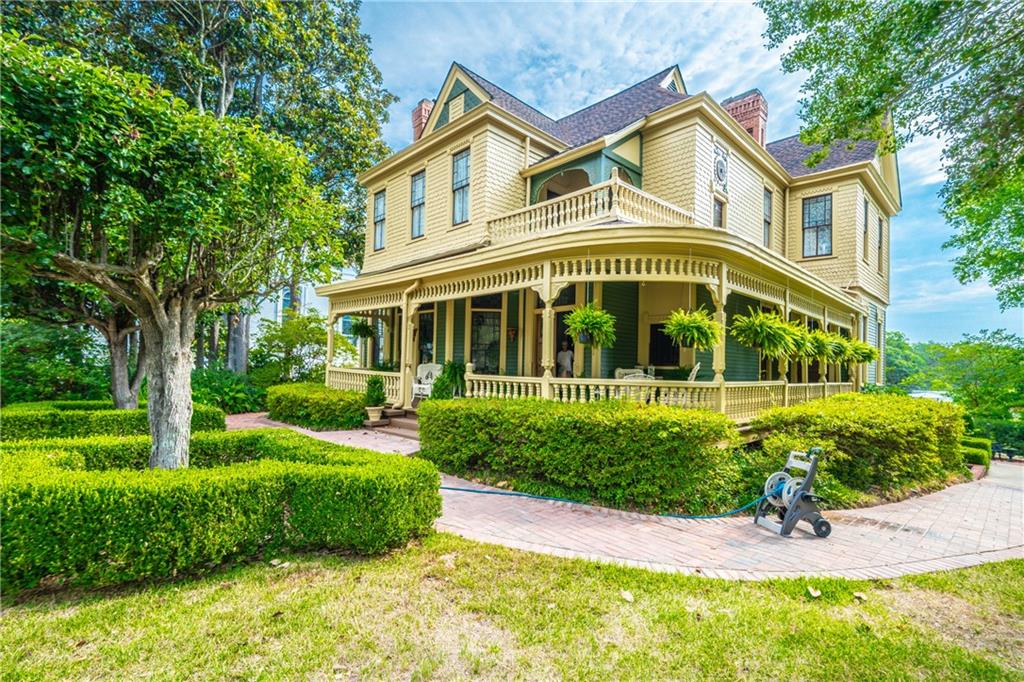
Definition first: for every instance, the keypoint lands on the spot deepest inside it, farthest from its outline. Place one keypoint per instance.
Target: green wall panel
(621, 299)
(512, 347)
(459, 335)
(440, 320)
(469, 102)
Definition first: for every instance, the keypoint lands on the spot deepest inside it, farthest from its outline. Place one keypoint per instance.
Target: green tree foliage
(110, 181)
(294, 349)
(985, 372)
(301, 68)
(50, 362)
(902, 359)
(890, 71)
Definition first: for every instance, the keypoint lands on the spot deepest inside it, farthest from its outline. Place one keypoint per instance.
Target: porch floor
(964, 525)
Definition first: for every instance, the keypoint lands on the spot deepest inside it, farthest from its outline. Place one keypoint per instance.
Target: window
(460, 187)
(718, 218)
(767, 218)
(818, 226)
(865, 238)
(426, 335)
(418, 194)
(661, 351)
(378, 220)
(881, 267)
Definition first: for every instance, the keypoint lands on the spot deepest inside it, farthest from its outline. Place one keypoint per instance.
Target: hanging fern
(767, 332)
(840, 349)
(827, 347)
(362, 328)
(861, 352)
(590, 325)
(801, 337)
(695, 329)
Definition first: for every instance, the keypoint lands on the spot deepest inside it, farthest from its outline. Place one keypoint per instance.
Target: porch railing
(739, 400)
(604, 202)
(353, 379)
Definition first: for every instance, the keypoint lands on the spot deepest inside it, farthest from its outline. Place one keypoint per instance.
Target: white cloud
(921, 162)
(943, 294)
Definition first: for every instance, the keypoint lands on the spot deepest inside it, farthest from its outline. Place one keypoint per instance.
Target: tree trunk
(170, 385)
(119, 331)
(238, 343)
(200, 351)
(120, 381)
(214, 342)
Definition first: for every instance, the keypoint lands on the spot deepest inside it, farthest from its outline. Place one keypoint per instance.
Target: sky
(560, 57)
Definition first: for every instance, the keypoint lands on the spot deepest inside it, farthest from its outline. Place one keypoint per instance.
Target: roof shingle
(791, 153)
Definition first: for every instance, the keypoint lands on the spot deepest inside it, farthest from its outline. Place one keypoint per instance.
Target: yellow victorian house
(497, 220)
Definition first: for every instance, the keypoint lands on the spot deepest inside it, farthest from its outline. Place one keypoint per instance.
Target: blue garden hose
(508, 493)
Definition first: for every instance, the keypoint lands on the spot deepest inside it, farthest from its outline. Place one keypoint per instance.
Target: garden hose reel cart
(789, 494)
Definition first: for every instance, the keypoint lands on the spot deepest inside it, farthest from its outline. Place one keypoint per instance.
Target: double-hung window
(718, 213)
(379, 209)
(418, 200)
(767, 218)
(881, 229)
(817, 226)
(460, 187)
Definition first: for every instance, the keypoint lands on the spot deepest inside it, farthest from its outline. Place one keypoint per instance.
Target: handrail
(610, 200)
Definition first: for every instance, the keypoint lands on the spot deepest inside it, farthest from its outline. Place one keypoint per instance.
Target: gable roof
(596, 120)
(791, 153)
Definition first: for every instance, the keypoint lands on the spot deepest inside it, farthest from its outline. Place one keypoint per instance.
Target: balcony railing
(352, 379)
(607, 202)
(741, 401)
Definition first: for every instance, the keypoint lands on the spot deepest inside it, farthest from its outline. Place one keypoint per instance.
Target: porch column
(407, 312)
(548, 293)
(331, 320)
(719, 296)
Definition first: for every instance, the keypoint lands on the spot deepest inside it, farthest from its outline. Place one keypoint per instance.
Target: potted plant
(376, 398)
(771, 335)
(695, 329)
(591, 326)
(362, 328)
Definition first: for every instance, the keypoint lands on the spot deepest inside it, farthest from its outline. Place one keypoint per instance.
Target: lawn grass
(449, 608)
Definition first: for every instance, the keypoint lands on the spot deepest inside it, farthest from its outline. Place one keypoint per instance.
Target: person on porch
(565, 360)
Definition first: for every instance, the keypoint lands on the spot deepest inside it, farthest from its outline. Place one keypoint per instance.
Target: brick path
(964, 525)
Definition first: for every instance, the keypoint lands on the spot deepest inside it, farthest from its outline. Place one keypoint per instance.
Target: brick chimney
(750, 110)
(419, 117)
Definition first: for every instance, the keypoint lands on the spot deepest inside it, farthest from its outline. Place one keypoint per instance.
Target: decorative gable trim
(674, 81)
(456, 84)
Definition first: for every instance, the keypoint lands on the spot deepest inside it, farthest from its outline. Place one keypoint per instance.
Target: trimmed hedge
(977, 442)
(1006, 432)
(977, 456)
(871, 441)
(316, 406)
(619, 453)
(86, 511)
(69, 418)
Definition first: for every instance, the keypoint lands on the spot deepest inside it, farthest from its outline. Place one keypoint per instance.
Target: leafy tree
(902, 359)
(49, 362)
(109, 181)
(985, 372)
(55, 302)
(890, 71)
(294, 349)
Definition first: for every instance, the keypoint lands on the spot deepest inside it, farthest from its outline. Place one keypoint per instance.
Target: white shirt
(565, 361)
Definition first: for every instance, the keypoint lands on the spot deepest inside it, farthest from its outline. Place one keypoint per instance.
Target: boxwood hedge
(316, 406)
(619, 453)
(872, 441)
(85, 511)
(68, 418)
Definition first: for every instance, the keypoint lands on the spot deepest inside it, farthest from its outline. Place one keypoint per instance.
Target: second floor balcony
(607, 203)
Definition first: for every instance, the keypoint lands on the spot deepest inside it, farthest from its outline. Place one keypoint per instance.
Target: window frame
(769, 207)
(417, 208)
(460, 186)
(804, 227)
(718, 220)
(379, 219)
(866, 239)
(881, 231)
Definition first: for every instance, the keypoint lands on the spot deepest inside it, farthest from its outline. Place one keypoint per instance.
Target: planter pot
(374, 414)
(584, 338)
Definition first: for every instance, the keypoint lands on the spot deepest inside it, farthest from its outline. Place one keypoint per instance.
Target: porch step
(408, 423)
(392, 412)
(411, 434)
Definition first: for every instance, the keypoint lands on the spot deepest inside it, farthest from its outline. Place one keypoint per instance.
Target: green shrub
(1005, 432)
(375, 395)
(450, 381)
(86, 511)
(316, 406)
(976, 455)
(232, 392)
(619, 453)
(873, 441)
(977, 442)
(62, 419)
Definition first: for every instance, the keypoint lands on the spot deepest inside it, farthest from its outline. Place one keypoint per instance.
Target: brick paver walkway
(963, 525)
